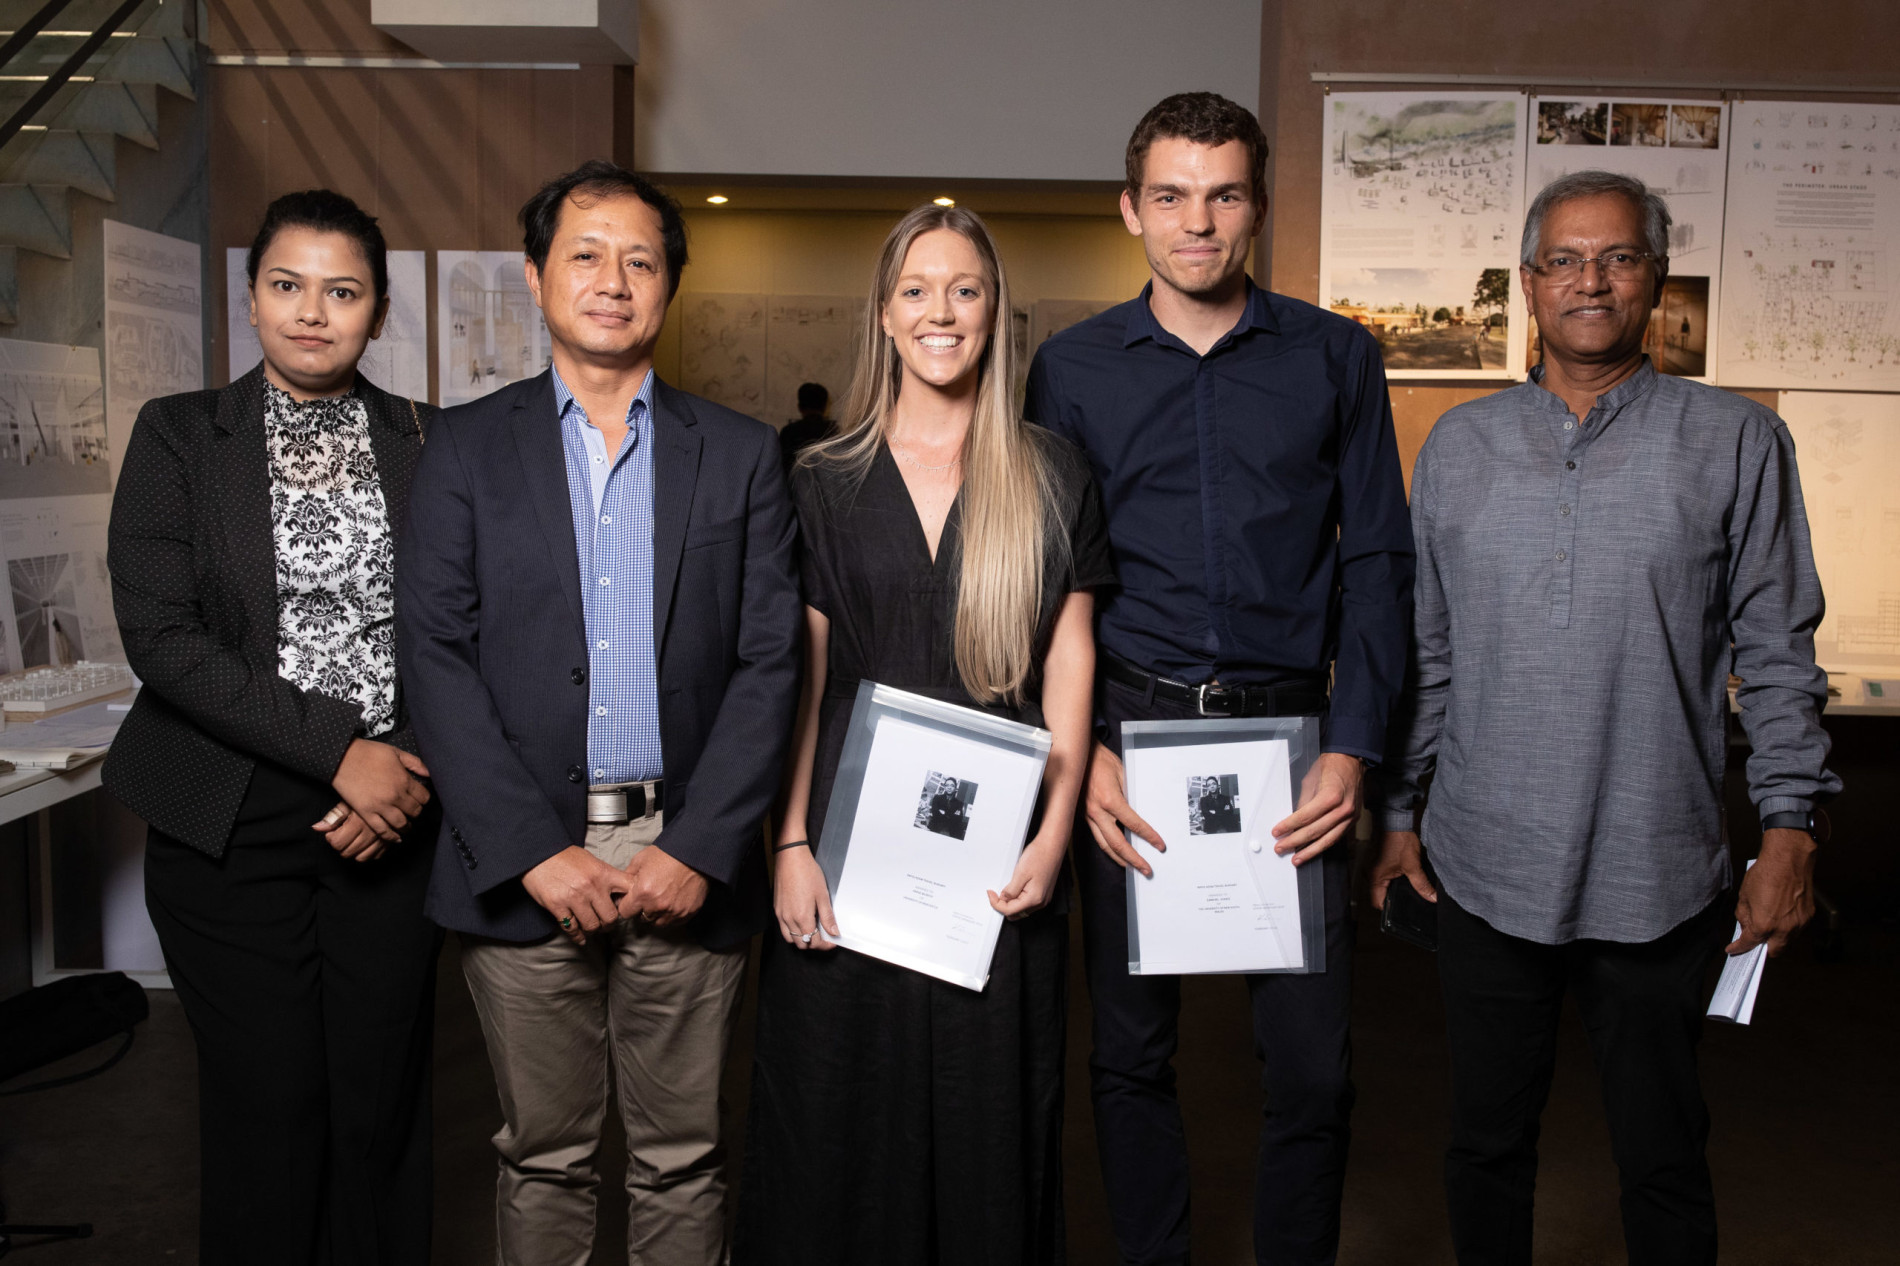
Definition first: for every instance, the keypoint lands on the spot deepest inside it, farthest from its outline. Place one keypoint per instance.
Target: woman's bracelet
(780, 848)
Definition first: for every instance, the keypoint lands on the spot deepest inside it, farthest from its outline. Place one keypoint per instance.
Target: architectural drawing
(1813, 243)
(489, 332)
(398, 362)
(154, 332)
(1848, 446)
(1422, 206)
(808, 338)
(1689, 176)
(52, 421)
(61, 592)
(722, 351)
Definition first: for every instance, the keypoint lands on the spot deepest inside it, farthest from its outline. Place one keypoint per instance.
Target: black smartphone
(1409, 916)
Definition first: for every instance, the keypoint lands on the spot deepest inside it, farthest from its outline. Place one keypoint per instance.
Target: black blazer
(194, 585)
(492, 642)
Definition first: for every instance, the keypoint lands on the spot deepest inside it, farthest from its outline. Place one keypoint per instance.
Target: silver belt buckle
(613, 804)
(1218, 695)
(607, 805)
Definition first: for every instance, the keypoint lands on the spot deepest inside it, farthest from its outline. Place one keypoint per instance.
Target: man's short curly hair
(1206, 118)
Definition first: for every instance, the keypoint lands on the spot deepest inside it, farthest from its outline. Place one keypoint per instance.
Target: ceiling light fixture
(945, 202)
(719, 199)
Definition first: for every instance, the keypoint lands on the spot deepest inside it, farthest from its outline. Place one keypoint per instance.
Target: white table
(33, 792)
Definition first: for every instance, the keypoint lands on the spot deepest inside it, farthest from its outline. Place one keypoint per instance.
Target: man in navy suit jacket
(598, 621)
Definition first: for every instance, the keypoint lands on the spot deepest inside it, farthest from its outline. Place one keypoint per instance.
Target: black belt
(1296, 698)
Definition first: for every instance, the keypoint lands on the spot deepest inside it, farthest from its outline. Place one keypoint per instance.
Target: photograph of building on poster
(1430, 318)
(1421, 220)
(488, 329)
(52, 421)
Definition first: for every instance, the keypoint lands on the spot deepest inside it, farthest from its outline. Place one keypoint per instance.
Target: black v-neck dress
(897, 1118)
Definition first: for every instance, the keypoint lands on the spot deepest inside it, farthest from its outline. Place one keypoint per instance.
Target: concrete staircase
(70, 141)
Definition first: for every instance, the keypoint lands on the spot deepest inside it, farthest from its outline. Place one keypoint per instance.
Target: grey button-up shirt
(1583, 592)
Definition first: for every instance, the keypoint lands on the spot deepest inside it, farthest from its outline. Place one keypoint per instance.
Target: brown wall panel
(320, 27)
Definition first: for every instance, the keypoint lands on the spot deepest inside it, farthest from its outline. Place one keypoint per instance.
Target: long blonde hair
(1008, 495)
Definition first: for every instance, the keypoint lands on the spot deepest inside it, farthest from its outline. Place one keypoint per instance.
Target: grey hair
(1589, 184)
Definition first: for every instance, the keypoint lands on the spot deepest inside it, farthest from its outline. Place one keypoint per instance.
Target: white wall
(905, 88)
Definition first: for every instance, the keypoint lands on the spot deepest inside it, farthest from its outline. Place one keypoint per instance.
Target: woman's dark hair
(326, 211)
(1205, 118)
(598, 178)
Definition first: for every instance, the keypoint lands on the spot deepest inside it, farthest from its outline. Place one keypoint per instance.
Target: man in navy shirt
(1244, 446)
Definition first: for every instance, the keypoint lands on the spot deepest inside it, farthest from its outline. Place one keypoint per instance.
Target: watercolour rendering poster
(1422, 207)
(1680, 150)
(398, 361)
(488, 330)
(154, 322)
(1812, 247)
(1848, 446)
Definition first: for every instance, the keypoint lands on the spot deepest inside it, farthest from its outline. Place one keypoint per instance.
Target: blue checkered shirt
(612, 501)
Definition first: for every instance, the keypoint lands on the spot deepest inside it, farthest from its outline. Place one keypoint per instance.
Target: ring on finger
(805, 938)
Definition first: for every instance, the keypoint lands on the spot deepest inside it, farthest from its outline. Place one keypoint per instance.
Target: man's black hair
(326, 211)
(598, 178)
(812, 395)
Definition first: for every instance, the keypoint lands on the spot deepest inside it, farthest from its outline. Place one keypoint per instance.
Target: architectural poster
(1812, 246)
(1848, 447)
(1422, 208)
(1680, 150)
(154, 322)
(488, 330)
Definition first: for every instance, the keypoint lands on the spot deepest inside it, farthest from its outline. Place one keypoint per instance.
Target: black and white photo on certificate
(1213, 804)
(943, 807)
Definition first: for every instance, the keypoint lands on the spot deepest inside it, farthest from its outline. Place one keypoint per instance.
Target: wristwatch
(1815, 824)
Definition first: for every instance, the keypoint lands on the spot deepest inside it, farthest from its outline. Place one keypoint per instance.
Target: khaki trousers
(656, 1009)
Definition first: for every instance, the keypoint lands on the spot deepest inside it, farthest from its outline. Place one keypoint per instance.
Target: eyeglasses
(1615, 265)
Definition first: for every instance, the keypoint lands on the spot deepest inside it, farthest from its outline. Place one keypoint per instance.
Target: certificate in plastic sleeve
(927, 817)
(1221, 900)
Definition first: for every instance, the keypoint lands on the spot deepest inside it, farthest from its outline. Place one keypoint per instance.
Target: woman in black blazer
(252, 559)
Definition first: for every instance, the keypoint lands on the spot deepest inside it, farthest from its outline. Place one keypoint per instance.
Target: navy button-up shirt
(612, 502)
(1254, 500)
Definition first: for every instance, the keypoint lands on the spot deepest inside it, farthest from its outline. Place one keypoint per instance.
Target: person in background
(1598, 549)
(599, 621)
(1247, 461)
(950, 550)
(810, 426)
(252, 547)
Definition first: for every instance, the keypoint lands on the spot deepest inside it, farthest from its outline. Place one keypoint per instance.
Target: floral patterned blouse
(336, 567)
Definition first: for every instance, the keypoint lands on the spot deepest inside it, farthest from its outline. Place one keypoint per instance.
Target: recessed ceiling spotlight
(945, 202)
(719, 199)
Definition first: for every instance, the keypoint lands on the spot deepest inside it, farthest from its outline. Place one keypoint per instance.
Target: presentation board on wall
(1812, 247)
(488, 330)
(1847, 445)
(1680, 150)
(397, 361)
(1421, 211)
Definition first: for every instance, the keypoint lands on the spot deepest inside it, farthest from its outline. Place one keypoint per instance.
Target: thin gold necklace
(903, 451)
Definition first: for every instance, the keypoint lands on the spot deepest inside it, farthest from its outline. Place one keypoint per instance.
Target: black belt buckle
(1217, 695)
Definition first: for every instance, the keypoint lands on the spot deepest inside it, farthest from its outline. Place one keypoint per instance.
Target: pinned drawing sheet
(1734, 1000)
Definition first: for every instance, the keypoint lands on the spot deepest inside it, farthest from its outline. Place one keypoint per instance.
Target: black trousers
(1301, 1031)
(309, 984)
(1642, 1005)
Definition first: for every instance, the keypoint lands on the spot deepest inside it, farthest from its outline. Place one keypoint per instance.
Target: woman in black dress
(251, 551)
(949, 550)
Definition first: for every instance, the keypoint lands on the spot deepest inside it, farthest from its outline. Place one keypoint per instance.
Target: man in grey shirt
(1597, 549)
